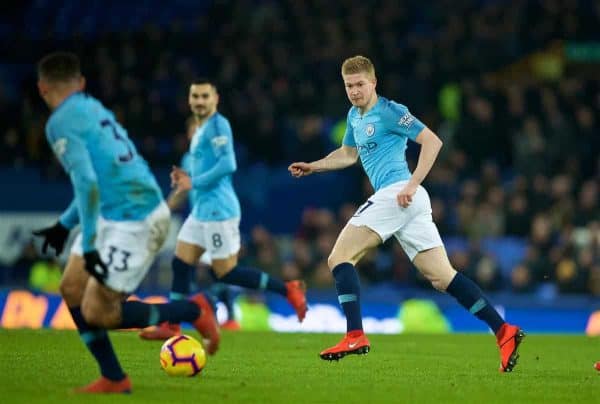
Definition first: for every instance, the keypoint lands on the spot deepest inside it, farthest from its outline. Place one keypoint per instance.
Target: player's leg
(436, 267)
(224, 245)
(422, 243)
(352, 244)
(187, 253)
(72, 288)
(106, 308)
(225, 294)
(129, 250)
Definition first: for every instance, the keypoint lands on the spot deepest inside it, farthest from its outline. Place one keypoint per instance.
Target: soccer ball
(182, 355)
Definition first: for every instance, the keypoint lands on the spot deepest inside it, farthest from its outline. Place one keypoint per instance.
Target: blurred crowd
(521, 156)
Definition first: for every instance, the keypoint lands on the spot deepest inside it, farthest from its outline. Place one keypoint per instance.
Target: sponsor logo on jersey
(366, 147)
(407, 120)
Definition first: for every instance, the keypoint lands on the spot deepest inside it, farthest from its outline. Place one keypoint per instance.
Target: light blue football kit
(212, 166)
(380, 136)
(117, 199)
(214, 221)
(109, 177)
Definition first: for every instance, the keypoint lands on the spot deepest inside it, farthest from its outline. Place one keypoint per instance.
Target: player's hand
(94, 265)
(406, 194)
(300, 169)
(175, 175)
(180, 180)
(54, 236)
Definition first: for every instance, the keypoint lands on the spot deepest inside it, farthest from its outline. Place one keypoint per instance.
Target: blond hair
(358, 64)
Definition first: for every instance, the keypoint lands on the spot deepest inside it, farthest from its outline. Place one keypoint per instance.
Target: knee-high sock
(253, 279)
(98, 343)
(182, 278)
(470, 296)
(140, 315)
(348, 290)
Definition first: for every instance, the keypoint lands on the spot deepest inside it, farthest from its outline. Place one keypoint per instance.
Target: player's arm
(176, 199)
(225, 165)
(70, 217)
(405, 124)
(222, 146)
(177, 196)
(430, 147)
(74, 156)
(341, 157)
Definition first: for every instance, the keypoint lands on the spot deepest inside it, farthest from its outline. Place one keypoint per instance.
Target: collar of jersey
(65, 101)
(372, 110)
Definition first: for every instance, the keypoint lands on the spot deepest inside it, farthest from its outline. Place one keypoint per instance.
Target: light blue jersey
(109, 177)
(186, 165)
(212, 165)
(380, 136)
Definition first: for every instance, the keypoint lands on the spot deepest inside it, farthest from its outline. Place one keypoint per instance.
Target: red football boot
(509, 337)
(206, 323)
(296, 291)
(354, 342)
(597, 366)
(162, 332)
(231, 325)
(107, 386)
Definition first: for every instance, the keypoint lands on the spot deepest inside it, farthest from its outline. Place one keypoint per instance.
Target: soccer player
(175, 200)
(124, 222)
(377, 132)
(213, 224)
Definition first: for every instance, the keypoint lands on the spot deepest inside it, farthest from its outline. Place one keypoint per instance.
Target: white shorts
(220, 239)
(413, 226)
(128, 248)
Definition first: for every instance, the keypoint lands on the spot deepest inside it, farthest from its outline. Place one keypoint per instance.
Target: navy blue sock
(471, 298)
(253, 279)
(223, 293)
(182, 279)
(140, 315)
(348, 290)
(98, 343)
(227, 299)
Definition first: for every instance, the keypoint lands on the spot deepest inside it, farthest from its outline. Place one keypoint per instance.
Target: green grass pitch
(43, 366)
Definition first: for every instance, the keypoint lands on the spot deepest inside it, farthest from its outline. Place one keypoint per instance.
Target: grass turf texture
(43, 366)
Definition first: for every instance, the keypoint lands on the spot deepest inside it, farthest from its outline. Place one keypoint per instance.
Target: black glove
(54, 236)
(94, 265)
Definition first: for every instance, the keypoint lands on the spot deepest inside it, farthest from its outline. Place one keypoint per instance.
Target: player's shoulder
(352, 112)
(72, 115)
(392, 107)
(221, 123)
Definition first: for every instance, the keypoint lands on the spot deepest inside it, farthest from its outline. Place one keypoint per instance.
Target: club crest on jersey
(370, 129)
(406, 120)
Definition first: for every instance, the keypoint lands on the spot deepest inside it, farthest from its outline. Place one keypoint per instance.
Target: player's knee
(439, 284)
(217, 274)
(441, 280)
(90, 313)
(98, 316)
(332, 261)
(71, 292)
